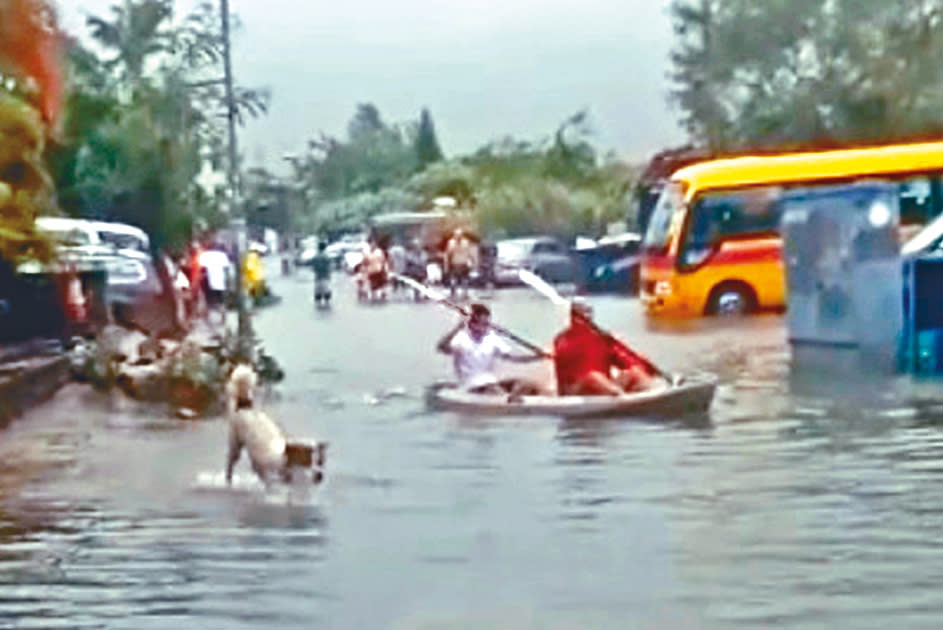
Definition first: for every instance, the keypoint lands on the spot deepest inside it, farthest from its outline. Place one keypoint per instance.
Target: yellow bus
(712, 245)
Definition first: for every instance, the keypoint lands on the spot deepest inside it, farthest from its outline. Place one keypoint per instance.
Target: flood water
(807, 498)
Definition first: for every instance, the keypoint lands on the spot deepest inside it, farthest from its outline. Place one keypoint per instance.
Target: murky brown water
(810, 497)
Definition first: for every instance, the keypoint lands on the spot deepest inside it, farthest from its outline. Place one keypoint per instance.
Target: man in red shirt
(591, 363)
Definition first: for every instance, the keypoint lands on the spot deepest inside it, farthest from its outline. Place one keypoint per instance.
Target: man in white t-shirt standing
(216, 268)
(474, 348)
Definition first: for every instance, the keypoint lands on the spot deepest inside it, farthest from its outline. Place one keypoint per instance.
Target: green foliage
(24, 184)
(143, 116)
(786, 73)
(427, 144)
(375, 155)
(513, 187)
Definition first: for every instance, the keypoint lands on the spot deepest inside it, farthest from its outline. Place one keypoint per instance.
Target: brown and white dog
(272, 455)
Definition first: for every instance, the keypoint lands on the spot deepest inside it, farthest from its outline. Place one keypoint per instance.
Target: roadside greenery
(144, 113)
(29, 104)
(558, 185)
(773, 74)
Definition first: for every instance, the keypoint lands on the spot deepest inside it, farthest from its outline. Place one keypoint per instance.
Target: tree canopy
(512, 186)
(792, 73)
(427, 144)
(144, 114)
(30, 91)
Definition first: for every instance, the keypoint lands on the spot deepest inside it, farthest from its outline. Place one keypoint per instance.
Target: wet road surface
(805, 499)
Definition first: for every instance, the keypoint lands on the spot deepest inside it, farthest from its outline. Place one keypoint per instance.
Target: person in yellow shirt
(253, 274)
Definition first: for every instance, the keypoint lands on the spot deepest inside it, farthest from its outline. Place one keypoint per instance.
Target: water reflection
(808, 496)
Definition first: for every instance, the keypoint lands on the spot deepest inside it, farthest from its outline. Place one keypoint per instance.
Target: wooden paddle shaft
(438, 297)
(546, 289)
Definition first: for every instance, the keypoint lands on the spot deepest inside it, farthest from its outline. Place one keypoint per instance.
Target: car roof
(119, 228)
(69, 223)
(62, 223)
(524, 240)
(620, 238)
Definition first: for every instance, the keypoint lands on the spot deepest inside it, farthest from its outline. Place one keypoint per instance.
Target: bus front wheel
(731, 299)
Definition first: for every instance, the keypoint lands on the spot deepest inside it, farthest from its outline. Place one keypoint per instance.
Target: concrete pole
(244, 332)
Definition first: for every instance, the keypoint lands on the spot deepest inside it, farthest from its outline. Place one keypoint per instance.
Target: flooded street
(799, 502)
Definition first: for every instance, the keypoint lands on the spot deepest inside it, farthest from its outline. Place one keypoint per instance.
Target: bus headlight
(662, 288)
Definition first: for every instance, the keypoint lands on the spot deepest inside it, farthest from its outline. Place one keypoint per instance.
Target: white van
(123, 236)
(82, 233)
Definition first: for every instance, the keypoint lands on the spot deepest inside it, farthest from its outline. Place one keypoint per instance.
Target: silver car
(543, 255)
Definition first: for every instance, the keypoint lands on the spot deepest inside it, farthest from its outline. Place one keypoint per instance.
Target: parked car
(132, 285)
(611, 264)
(337, 250)
(544, 255)
(92, 236)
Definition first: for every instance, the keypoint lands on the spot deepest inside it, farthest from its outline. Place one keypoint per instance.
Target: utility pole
(244, 331)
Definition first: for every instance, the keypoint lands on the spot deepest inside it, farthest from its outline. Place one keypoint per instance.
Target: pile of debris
(189, 374)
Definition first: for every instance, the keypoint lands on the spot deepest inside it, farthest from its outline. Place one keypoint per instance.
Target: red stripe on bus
(740, 256)
(658, 263)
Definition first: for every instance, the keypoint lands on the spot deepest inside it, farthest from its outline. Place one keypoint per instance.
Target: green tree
(698, 71)
(374, 156)
(144, 117)
(30, 90)
(427, 144)
(753, 74)
(137, 30)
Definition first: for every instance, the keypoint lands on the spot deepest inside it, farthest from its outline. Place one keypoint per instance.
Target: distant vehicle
(347, 243)
(336, 251)
(122, 251)
(123, 237)
(430, 228)
(611, 264)
(544, 255)
(82, 233)
(713, 244)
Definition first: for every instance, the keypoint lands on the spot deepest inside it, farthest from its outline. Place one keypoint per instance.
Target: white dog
(273, 457)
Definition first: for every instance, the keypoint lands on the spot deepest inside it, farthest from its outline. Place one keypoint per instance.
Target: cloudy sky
(485, 68)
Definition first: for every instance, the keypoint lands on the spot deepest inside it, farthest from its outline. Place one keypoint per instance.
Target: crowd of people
(205, 279)
(460, 261)
(587, 361)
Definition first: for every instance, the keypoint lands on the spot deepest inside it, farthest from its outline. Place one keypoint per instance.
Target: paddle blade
(428, 292)
(542, 286)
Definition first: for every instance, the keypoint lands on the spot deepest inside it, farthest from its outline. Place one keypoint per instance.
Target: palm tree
(137, 31)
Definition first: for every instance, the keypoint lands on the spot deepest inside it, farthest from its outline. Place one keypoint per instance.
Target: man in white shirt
(474, 348)
(216, 269)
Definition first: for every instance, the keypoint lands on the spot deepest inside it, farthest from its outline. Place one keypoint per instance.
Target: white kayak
(683, 396)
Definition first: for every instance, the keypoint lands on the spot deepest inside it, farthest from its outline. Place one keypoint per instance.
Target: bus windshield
(658, 234)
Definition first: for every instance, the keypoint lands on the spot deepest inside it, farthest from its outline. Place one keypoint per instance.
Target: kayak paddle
(439, 297)
(543, 287)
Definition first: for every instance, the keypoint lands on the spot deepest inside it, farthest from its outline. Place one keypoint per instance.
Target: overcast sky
(484, 68)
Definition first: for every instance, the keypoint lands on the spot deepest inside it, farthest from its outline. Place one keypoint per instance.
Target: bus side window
(916, 196)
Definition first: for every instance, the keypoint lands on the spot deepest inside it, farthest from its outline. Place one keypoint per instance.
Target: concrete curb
(28, 382)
